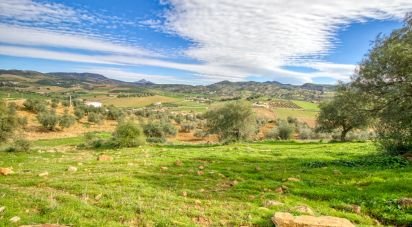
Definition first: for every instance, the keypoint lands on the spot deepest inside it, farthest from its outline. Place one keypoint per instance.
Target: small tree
(35, 105)
(94, 118)
(79, 113)
(48, 119)
(157, 131)
(344, 112)
(8, 121)
(66, 120)
(233, 121)
(128, 134)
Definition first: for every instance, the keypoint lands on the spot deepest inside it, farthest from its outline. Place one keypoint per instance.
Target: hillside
(225, 89)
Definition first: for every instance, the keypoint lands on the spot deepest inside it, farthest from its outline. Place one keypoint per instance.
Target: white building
(93, 103)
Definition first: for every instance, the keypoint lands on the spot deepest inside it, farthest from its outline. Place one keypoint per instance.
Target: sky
(196, 41)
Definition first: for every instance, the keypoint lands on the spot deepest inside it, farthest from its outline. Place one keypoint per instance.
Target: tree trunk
(343, 134)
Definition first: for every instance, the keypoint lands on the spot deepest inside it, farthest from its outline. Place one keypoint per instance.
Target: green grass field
(188, 185)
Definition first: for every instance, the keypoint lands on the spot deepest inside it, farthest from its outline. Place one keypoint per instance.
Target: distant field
(307, 105)
(199, 185)
(133, 101)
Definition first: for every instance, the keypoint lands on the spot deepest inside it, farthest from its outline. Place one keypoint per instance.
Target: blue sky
(195, 41)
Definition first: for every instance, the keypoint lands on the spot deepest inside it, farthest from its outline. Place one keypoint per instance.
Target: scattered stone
(200, 172)
(6, 171)
(178, 163)
(14, 219)
(184, 193)
(72, 169)
(405, 202)
(257, 168)
(282, 219)
(304, 210)
(105, 157)
(164, 168)
(356, 209)
(2, 209)
(337, 172)
(233, 183)
(293, 179)
(198, 202)
(98, 197)
(201, 190)
(43, 174)
(201, 167)
(279, 190)
(272, 203)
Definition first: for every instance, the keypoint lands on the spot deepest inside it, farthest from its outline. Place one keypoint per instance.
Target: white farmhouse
(93, 103)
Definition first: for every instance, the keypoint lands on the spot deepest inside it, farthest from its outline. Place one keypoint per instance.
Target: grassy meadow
(191, 185)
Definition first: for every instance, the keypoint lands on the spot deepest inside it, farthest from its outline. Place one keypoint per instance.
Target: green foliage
(8, 121)
(114, 113)
(186, 127)
(128, 134)
(66, 120)
(48, 119)
(22, 145)
(385, 79)
(158, 131)
(283, 131)
(344, 112)
(234, 121)
(94, 117)
(79, 113)
(35, 105)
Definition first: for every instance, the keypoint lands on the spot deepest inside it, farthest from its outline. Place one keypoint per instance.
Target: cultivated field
(188, 185)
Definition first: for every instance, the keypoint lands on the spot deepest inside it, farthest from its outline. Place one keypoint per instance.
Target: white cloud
(41, 37)
(263, 35)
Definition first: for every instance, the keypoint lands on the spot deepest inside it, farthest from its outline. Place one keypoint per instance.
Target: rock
(279, 190)
(233, 183)
(356, 209)
(2, 209)
(98, 197)
(304, 210)
(184, 194)
(72, 169)
(272, 203)
(200, 172)
(257, 168)
(104, 157)
(337, 172)
(201, 167)
(293, 179)
(405, 202)
(14, 219)
(281, 219)
(178, 163)
(408, 156)
(6, 171)
(43, 174)
(164, 168)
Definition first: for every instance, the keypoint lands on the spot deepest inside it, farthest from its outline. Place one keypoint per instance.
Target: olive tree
(234, 121)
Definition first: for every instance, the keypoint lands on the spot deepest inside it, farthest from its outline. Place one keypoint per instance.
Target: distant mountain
(143, 82)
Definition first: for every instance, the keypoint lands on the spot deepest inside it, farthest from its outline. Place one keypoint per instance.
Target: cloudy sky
(195, 41)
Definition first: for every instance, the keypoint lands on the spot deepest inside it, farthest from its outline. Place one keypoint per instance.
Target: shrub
(8, 122)
(128, 134)
(114, 113)
(48, 119)
(200, 133)
(283, 131)
(20, 145)
(233, 121)
(159, 129)
(35, 106)
(79, 113)
(66, 120)
(94, 118)
(186, 127)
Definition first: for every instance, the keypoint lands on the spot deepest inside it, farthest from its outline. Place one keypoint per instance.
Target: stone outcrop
(282, 219)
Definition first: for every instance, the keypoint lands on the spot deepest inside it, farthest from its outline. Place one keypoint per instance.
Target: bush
(35, 106)
(79, 113)
(158, 130)
(94, 118)
(48, 119)
(92, 140)
(8, 122)
(200, 133)
(283, 131)
(128, 134)
(186, 127)
(20, 145)
(114, 113)
(66, 120)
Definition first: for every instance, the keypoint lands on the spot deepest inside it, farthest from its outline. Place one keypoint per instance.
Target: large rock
(405, 202)
(282, 219)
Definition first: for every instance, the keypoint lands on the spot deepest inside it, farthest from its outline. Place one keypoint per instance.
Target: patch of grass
(187, 185)
(307, 105)
(134, 101)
